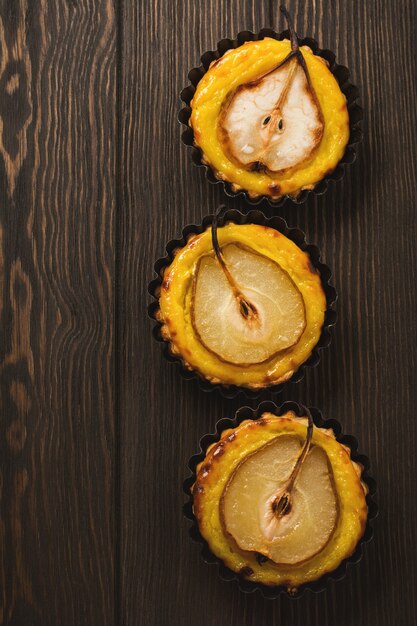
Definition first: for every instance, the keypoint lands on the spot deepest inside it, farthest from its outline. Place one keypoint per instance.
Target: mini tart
(243, 65)
(175, 297)
(215, 471)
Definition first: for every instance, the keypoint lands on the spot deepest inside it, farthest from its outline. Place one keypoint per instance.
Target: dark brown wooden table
(96, 428)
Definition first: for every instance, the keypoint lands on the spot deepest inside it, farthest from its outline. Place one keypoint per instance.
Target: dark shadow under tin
(246, 413)
(340, 72)
(294, 234)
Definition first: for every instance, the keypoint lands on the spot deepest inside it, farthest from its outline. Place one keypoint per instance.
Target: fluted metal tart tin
(340, 72)
(295, 235)
(246, 413)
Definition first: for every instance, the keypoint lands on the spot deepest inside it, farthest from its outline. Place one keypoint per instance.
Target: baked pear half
(270, 118)
(280, 501)
(241, 304)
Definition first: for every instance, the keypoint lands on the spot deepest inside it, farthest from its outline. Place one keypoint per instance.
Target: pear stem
(282, 503)
(293, 34)
(296, 48)
(295, 52)
(276, 111)
(246, 308)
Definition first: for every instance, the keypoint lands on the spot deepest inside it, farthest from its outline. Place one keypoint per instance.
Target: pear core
(217, 317)
(247, 503)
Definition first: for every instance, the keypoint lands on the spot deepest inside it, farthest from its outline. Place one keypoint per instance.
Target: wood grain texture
(365, 228)
(57, 201)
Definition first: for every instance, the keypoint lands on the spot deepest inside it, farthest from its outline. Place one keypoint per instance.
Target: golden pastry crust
(221, 460)
(175, 307)
(245, 64)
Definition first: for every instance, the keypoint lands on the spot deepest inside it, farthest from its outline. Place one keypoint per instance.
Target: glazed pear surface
(247, 504)
(252, 324)
(275, 122)
(266, 128)
(243, 475)
(217, 315)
